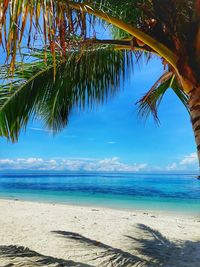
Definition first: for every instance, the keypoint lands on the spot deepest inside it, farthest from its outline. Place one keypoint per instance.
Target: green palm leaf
(87, 78)
(150, 102)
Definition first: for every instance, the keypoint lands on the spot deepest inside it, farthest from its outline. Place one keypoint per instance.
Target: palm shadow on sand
(17, 256)
(146, 248)
(150, 249)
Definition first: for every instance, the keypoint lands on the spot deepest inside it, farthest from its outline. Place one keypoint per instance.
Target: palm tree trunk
(158, 47)
(194, 105)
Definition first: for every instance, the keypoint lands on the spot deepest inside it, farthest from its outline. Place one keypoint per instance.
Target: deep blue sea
(167, 192)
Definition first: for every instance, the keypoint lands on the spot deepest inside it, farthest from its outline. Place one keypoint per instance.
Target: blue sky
(111, 137)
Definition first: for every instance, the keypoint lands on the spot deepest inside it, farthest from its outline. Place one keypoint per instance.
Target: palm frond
(150, 102)
(84, 80)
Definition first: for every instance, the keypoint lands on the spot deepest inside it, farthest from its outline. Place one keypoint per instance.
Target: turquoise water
(177, 193)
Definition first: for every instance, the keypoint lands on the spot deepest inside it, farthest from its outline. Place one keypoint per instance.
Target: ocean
(178, 193)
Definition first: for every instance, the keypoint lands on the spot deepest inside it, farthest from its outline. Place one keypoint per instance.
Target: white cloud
(172, 167)
(111, 142)
(187, 163)
(6, 161)
(40, 129)
(189, 159)
(84, 164)
(33, 160)
(112, 164)
(21, 163)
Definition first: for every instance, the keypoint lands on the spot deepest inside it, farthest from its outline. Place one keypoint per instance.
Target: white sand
(63, 235)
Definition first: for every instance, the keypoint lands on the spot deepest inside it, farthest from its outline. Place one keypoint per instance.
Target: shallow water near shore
(163, 192)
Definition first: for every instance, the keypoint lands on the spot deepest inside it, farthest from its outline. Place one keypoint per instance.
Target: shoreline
(155, 211)
(88, 236)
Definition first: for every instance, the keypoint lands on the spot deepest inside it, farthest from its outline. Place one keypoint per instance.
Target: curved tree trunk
(194, 105)
(154, 44)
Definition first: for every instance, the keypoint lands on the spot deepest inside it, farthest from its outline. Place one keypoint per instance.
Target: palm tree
(169, 29)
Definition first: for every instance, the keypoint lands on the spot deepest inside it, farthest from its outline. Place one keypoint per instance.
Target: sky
(111, 137)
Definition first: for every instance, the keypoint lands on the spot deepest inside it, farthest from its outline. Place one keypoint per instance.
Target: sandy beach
(44, 234)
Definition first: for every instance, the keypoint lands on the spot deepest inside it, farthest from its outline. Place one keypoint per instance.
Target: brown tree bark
(194, 105)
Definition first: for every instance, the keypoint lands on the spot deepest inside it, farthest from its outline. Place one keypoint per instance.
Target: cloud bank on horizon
(114, 164)
(188, 162)
(80, 164)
